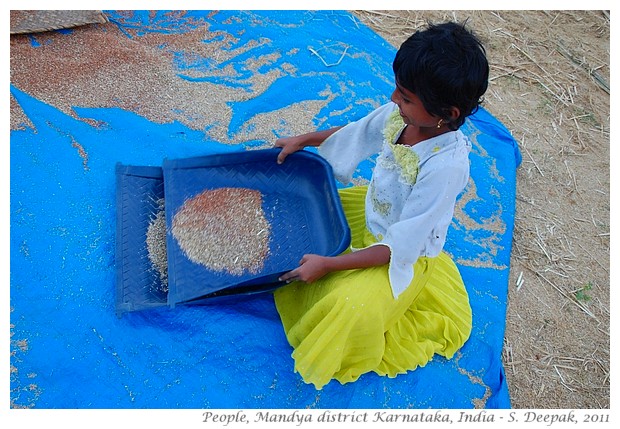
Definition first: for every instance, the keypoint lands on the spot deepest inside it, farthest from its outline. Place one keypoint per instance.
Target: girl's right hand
(289, 145)
(295, 143)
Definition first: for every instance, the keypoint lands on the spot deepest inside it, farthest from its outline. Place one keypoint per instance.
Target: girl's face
(412, 110)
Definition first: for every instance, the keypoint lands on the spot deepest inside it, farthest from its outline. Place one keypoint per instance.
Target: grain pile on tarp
(153, 85)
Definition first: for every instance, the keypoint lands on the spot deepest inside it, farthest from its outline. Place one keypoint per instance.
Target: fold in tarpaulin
(192, 84)
(35, 21)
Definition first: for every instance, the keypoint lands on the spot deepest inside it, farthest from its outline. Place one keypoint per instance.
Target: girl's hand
(288, 145)
(311, 267)
(295, 143)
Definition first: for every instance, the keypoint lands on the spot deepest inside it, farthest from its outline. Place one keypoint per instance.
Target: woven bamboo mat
(34, 21)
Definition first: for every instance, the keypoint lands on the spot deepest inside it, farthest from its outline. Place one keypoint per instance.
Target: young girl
(395, 299)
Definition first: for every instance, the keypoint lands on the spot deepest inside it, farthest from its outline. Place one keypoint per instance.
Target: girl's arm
(295, 143)
(313, 267)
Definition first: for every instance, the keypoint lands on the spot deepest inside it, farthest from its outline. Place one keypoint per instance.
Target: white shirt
(413, 189)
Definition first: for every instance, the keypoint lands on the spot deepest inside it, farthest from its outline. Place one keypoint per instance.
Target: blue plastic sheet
(68, 347)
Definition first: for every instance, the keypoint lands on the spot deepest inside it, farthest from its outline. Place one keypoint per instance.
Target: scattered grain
(156, 245)
(138, 74)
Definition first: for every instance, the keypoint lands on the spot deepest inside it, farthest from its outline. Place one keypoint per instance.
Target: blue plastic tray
(300, 201)
(138, 284)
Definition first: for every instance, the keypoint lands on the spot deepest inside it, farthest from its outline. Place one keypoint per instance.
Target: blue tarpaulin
(68, 347)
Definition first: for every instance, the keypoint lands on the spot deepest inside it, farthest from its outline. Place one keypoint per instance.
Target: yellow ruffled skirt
(348, 323)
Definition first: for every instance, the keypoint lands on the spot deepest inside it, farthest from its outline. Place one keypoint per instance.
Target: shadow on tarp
(70, 349)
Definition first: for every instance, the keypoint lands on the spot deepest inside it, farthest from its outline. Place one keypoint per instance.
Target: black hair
(445, 65)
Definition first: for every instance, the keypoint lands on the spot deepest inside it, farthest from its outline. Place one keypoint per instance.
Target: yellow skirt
(348, 323)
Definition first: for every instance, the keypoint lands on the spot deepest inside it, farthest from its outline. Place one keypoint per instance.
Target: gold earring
(439, 123)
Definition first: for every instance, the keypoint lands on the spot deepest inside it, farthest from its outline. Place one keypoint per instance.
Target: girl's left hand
(311, 267)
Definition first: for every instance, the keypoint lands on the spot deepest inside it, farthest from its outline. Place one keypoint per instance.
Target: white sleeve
(424, 222)
(355, 142)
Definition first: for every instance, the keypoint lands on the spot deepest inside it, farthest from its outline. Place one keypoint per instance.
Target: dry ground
(549, 86)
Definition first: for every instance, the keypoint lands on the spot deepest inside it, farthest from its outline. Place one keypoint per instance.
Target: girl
(394, 299)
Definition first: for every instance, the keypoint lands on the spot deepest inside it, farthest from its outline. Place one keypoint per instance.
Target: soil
(549, 86)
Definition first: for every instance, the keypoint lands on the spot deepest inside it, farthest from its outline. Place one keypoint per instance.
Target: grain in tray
(224, 230)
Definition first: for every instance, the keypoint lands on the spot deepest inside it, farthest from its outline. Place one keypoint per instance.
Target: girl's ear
(454, 112)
